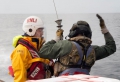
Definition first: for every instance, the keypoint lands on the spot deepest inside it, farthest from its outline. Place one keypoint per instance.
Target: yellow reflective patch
(15, 40)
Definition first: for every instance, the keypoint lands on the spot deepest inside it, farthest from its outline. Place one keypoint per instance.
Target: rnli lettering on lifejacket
(32, 20)
(34, 73)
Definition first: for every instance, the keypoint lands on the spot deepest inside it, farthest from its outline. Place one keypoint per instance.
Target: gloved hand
(59, 34)
(102, 24)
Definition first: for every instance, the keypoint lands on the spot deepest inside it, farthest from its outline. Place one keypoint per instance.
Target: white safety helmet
(31, 24)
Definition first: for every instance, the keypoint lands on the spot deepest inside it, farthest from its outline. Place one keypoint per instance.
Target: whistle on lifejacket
(59, 23)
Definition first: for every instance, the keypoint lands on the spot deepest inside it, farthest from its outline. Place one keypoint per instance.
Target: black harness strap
(84, 54)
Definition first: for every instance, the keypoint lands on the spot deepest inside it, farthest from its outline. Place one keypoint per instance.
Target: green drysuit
(53, 50)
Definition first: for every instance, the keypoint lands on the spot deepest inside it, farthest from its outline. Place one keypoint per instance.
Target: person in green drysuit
(76, 55)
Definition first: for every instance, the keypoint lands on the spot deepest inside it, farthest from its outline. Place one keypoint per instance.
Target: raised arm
(109, 47)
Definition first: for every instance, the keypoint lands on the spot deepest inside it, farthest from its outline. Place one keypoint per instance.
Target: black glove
(102, 24)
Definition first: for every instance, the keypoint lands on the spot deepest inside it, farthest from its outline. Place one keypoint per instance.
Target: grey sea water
(11, 25)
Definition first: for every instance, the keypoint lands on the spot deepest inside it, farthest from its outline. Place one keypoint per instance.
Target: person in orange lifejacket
(26, 63)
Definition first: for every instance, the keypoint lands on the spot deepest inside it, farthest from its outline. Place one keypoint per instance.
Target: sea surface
(11, 25)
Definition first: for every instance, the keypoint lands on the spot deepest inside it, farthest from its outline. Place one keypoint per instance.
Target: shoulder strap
(29, 46)
(81, 62)
(87, 50)
(34, 52)
(80, 52)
